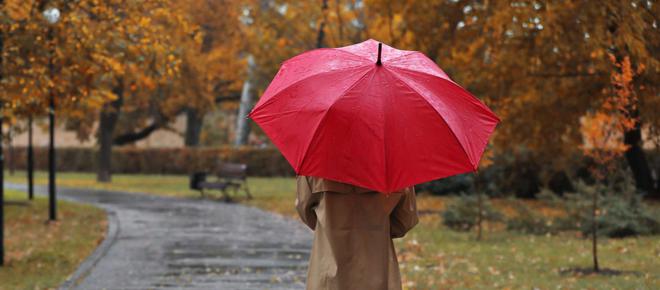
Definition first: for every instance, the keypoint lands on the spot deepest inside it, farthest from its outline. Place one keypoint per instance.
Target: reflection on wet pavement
(168, 243)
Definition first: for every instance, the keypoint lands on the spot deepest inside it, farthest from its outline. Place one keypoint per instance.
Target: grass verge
(41, 255)
(434, 257)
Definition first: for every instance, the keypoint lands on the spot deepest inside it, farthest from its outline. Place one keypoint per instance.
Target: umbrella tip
(380, 48)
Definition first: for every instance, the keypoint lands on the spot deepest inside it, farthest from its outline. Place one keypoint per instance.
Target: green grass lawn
(434, 257)
(269, 193)
(42, 255)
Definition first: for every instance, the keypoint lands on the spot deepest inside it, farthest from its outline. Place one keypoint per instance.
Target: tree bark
(133, 137)
(10, 158)
(30, 160)
(2, 165)
(594, 230)
(194, 122)
(242, 126)
(320, 37)
(107, 124)
(480, 206)
(637, 161)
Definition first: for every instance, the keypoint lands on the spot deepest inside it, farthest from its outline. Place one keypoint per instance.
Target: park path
(171, 243)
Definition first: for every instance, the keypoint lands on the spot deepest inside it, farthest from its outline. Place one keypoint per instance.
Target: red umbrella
(383, 123)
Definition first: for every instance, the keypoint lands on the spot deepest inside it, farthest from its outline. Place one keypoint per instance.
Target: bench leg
(202, 192)
(247, 190)
(226, 195)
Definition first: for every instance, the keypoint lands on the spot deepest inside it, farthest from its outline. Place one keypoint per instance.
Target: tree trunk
(194, 121)
(242, 126)
(2, 165)
(2, 188)
(594, 230)
(30, 160)
(480, 206)
(638, 163)
(10, 158)
(320, 37)
(107, 124)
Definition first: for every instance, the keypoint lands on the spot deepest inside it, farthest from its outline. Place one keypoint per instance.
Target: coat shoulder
(318, 184)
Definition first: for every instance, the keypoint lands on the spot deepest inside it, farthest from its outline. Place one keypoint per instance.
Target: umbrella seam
(483, 106)
(439, 114)
(403, 55)
(387, 179)
(316, 129)
(351, 53)
(388, 60)
(409, 52)
(327, 48)
(453, 83)
(273, 96)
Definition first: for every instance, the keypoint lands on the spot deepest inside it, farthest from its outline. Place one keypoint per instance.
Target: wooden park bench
(227, 176)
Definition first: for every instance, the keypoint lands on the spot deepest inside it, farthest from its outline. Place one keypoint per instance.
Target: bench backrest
(232, 170)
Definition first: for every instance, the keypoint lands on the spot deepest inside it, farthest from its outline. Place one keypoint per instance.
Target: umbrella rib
(453, 84)
(325, 114)
(278, 93)
(403, 55)
(439, 114)
(421, 72)
(351, 53)
(385, 160)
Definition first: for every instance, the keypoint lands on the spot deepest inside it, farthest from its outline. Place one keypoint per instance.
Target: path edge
(90, 262)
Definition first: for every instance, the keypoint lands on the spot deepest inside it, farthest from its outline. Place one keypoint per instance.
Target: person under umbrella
(361, 125)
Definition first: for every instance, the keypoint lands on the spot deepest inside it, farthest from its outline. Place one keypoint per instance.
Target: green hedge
(261, 162)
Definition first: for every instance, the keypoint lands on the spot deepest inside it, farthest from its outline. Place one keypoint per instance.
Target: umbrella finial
(380, 48)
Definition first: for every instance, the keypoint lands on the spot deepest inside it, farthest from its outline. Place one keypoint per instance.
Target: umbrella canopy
(382, 120)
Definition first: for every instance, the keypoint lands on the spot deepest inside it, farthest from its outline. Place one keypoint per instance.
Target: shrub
(529, 222)
(261, 162)
(462, 213)
(622, 217)
(450, 185)
(520, 175)
(621, 214)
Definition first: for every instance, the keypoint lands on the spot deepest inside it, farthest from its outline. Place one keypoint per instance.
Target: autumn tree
(541, 64)
(134, 42)
(546, 65)
(604, 133)
(280, 30)
(212, 73)
(27, 56)
(113, 58)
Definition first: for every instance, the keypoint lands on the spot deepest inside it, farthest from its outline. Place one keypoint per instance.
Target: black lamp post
(2, 167)
(52, 15)
(2, 191)
(30, 161)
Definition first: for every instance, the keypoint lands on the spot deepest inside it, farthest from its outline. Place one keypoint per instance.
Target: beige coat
(353, 231)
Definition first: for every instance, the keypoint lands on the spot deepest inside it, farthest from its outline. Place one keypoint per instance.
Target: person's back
(353, 231)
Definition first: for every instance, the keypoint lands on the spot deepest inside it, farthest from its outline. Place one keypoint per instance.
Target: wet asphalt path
(170, 243)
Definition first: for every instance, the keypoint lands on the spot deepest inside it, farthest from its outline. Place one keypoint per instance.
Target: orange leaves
(98, 42)
(106, 95)
(144, 22)
(602, 132)
(112, 65)
(486, 158)
(603, 129)
(18, 9)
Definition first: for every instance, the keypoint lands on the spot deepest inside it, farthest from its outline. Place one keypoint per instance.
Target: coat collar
(318, 184)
